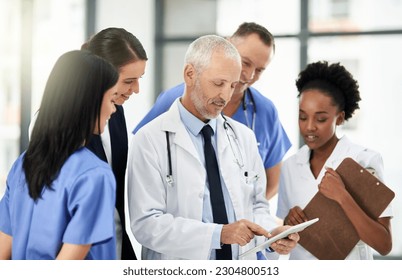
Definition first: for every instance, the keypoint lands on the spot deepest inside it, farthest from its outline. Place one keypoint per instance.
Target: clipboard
(335, 236)
(283, 234)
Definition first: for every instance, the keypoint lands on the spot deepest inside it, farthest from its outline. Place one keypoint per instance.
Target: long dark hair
(116, 45)
(68, 114)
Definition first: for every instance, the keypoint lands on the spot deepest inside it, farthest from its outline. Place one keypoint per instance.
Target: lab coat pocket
(248, 180)
(251, 177)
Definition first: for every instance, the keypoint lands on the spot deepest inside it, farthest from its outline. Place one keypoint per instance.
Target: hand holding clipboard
(335, 236)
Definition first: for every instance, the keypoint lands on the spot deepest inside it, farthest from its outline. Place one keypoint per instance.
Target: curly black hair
(334, 80)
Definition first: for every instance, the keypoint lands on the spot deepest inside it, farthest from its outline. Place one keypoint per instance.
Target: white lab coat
(298, 186)
(167, 219)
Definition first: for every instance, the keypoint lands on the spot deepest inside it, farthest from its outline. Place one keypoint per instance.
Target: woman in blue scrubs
(60, 197)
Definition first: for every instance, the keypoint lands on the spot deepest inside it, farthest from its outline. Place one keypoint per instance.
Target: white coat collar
(344, 148)
(172, 123)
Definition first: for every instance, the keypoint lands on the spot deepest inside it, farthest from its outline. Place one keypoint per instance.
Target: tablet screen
(281, 235)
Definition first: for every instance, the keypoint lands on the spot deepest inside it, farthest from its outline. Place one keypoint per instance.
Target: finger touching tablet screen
(283, 234)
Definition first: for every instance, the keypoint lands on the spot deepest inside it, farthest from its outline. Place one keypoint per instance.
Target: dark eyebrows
(316, 113)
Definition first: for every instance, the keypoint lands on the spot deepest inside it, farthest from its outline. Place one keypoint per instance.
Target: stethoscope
(244, 104)
(234, 146)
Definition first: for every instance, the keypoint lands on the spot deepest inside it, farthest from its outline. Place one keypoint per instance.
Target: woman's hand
(296, 216)
(332, 185)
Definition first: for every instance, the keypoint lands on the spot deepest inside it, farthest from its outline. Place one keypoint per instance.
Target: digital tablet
(281, 235)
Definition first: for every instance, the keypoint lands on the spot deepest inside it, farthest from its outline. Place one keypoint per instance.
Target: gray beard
(196, 98)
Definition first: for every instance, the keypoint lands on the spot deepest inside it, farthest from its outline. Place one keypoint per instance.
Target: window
(340, 8)
(38, 32)
(9, 87)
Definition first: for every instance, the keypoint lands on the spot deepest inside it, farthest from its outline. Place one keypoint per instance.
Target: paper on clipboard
(283, 234)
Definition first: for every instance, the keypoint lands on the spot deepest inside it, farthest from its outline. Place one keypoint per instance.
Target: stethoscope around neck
(234, 146)
(244, 105)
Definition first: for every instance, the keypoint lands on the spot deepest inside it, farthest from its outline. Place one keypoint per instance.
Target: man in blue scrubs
(256, 46)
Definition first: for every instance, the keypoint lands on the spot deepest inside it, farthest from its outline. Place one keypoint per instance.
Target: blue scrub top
(271, 136)
(79, 209)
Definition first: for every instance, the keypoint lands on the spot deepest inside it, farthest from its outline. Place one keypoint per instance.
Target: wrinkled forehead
(223, 66)
(252, 48)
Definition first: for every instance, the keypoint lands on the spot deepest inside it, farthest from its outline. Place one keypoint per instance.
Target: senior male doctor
(172, 197)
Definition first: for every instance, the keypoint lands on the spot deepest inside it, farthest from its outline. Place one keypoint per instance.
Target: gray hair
(200, 51)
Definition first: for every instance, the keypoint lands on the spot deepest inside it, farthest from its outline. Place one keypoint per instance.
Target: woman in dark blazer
(126, 53)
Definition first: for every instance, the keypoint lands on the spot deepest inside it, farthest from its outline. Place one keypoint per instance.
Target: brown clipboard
(334, 236)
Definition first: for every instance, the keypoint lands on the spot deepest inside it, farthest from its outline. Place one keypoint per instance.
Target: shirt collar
(192, 123)
(341, 148)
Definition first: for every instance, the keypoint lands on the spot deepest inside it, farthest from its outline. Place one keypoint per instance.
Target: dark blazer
(119, 144)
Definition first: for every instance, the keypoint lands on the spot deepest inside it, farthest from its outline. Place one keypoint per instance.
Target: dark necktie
(215, 189)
